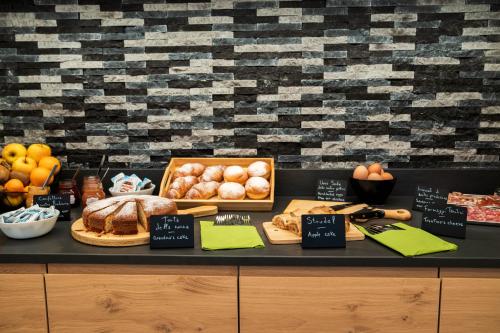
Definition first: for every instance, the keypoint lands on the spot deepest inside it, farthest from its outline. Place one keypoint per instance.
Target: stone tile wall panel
(316, 84)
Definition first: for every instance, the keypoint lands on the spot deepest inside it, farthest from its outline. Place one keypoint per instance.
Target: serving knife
(370, 213)
(343, 206)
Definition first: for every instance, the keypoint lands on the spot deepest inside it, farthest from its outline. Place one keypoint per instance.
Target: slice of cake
(100, 220)
(96, 206)
(148, 206)
(124, 222)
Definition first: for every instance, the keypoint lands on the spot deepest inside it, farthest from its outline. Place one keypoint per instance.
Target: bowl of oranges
(372, 184)
(22, 168)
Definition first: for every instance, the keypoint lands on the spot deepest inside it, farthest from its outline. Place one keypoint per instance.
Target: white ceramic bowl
(29, 229)
(147, 191)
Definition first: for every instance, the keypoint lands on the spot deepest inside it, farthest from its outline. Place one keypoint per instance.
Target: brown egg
(375, 168)
(387, 176)
(361, 172)
(374, 176)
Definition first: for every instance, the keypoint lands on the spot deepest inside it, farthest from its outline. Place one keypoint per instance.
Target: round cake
(122, 215)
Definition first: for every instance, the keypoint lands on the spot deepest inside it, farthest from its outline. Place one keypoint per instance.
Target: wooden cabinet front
(141, 303)
(22, 303)
(470, 305)
(338, 304)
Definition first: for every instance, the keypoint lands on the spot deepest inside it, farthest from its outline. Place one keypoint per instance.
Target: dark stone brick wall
(314, 83)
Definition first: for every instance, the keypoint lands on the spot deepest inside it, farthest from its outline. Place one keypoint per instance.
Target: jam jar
(68, 186)
(92, 190)
(35, 190)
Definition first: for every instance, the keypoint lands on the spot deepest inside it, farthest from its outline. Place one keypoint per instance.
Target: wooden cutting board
(309, 204)
(280, 236)
(79, 232)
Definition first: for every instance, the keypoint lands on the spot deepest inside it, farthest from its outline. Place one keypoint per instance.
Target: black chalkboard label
(428, 195)
(167, 231)
(60, 201)
(331, 190)
(445, 220)
(324, 230)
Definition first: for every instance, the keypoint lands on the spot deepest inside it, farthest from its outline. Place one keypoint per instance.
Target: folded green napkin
(411, 241)
(229, 236)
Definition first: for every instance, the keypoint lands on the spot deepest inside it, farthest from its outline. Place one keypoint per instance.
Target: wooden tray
(280, 236)
(237, 205)
(79, 232)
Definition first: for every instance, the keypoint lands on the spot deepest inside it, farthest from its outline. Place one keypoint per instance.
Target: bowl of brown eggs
(372, 184)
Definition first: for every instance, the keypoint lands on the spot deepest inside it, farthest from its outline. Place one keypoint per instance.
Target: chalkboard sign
(427, 195)
(167, 231)
(60, 201)
(446, 220)
(324, 230)
(331, 190)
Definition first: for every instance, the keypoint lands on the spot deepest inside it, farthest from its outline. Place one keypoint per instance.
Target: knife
(370, 213)
(343, 206)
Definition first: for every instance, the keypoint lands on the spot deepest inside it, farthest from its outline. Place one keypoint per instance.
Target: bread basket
(246, 204)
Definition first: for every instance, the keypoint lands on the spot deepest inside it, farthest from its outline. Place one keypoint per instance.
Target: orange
(14, 185)
(13, 200)
(48, 163)
(38, 176)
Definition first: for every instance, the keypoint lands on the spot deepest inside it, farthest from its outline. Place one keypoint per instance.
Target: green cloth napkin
(225, 237)
(411, 241)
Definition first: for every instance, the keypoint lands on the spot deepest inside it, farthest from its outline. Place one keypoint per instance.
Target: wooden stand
(81, 234)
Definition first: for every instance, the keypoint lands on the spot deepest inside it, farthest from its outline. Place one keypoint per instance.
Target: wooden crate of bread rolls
(245, 184)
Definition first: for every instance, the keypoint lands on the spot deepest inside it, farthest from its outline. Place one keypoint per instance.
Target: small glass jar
(68, 186)
(35, 190)
(92, 190)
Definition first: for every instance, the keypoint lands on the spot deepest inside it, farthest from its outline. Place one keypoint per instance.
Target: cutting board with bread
(286, 228)
(124, 220)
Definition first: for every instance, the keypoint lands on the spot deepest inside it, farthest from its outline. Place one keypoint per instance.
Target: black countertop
(481, 248)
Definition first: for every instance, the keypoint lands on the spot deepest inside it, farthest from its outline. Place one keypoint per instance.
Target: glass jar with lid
(68, 186)
(92, 190)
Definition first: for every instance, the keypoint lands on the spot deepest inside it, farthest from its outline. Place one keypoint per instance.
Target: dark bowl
(373, 192)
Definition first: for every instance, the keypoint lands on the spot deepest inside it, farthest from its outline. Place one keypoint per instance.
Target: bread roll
(257, 188)
(259, 169)
(204, 190)
(235, 174)
(189, 169)
(180, 186)
(231, 191)
(213, 173)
